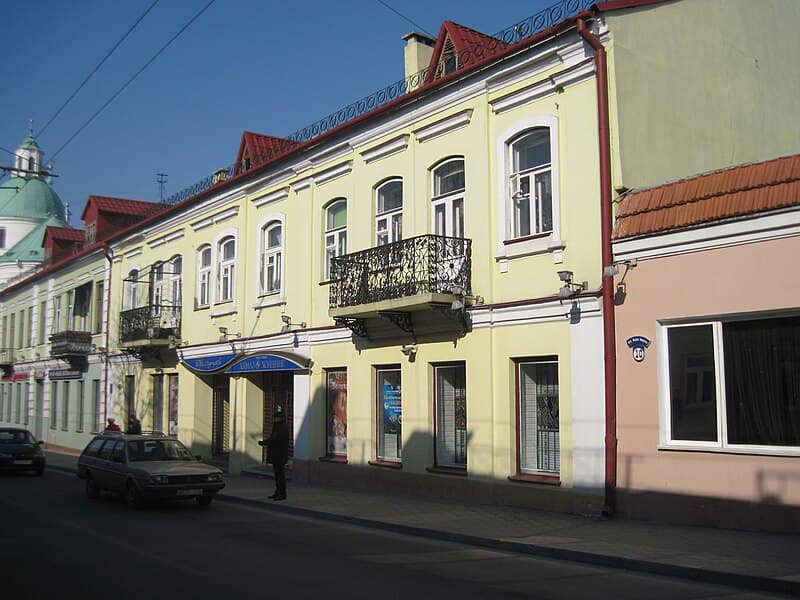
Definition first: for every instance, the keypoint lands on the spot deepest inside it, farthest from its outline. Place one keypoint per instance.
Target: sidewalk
(759, 561)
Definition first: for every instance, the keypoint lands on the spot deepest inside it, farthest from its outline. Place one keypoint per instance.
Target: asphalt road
(55, 543)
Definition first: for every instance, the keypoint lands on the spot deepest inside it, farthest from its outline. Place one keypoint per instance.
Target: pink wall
(753, 277)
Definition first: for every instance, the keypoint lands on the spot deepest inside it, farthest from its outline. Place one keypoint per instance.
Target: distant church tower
(28, 205)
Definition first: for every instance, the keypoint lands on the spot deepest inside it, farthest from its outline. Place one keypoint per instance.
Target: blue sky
(269, 67)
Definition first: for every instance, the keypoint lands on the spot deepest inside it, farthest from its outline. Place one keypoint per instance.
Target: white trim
(533, 313)
(330, 155)
(271, 299)
(333, 173)
(269, 198)
(541, 89)
(267, 220)
(132, 253)
(225, 310)
(302, 184)
(443, 126)
(744, 230)
(170, 237)
(392, 146)
(503, 161)
(270, 180)
(215, 218)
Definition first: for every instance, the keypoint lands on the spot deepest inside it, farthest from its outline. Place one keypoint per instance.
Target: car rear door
(117, 467)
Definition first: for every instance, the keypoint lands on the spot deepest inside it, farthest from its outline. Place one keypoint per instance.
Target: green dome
(33, 199)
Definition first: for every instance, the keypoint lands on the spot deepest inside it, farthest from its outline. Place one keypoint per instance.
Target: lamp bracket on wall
(357, 326)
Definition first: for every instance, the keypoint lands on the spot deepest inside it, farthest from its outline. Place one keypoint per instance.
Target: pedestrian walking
(134, 425)
(278, 452)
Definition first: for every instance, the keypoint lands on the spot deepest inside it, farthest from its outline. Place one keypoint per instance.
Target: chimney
(418, 51)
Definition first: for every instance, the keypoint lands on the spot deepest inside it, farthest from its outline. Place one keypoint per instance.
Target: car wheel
(92, 491)
(133, 497)
(203, 500)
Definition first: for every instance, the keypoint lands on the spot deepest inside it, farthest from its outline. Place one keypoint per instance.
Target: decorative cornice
(393, 146)
(215, 218)
(302, 184)
(553, 84)
(333, 173)
(165, 239)
(443, 126)
(274, 196)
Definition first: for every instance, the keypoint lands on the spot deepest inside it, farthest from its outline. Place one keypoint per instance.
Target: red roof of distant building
(260, 148)
(726, 194)
(121, 206)
(470, 45)
(65, 233)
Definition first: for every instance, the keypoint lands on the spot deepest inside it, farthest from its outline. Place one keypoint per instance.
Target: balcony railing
(425, 266)
(70, 343)
(155, 325)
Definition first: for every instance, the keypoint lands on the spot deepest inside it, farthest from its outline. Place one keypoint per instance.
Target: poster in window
(337, 413)
(392, 411)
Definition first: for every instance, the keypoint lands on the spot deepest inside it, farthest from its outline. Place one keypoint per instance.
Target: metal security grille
(278, 391)
(220, 423)
(540, 439)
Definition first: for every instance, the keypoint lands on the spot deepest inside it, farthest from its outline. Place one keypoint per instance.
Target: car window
(150, 450)
(15, 437)
(105, 451)
(118, 451)
(93, 447)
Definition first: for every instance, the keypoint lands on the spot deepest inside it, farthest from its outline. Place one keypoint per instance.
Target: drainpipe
(108, 254)
(609, 339)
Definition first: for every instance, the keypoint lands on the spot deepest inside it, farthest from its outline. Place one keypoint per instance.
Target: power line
(135, 75)
(100, 64)
(406, 18)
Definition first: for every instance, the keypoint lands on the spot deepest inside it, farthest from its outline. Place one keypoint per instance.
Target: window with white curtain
(451, 416)
(389, 212)
(226, 277)
(335, 232)
(448, 198)
(204, 275)
(272, 258)
(530, 185)
(538, 427)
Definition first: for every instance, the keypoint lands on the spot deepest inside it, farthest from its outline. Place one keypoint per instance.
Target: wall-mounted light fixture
(223, 337)
(287, 324)
(462, 300)
(409, 350)
(570, 288)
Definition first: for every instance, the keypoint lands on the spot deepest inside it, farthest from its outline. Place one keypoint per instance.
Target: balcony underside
(424, 301)
(147, 342)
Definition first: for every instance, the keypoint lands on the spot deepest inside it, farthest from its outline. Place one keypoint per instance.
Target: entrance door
(221, 421)
(38, 411)
(278, 391)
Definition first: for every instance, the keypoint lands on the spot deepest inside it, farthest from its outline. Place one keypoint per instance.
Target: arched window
(448, 198)
(226, 276)
(157, 286)
(130, 293)
(272, 258)
(176, 281)
(531, 196)
(389, 212)
(204, 275)
(335, 232)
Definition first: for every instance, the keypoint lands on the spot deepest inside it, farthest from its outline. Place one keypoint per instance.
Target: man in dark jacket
(134, 425)
(278, 452)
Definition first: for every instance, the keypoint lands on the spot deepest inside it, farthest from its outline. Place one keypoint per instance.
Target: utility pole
(161, 178)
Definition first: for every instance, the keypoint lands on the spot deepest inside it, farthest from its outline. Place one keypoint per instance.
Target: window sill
(388, 464)
(543, 243)
(447, 471)
(267, 300)
(746, 450)
(528, 478)
(223, 311)
(202, 307)
(334, 459)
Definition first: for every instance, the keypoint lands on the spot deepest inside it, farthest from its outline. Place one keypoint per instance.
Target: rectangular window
(53, 404)
(451, 416)
(11, 334)
(734, 384)
(97, 412)
(42, 322)
(69, 326)
(130, 396)
(173, 404)
(336, 392)
(21, 337)
(81, 406)
(26, 401)
(390, 415)
(18, 404)
(539, 443)
(29, 329)
(98, 308)
(158, 402)
(56, 325)
(65, 406)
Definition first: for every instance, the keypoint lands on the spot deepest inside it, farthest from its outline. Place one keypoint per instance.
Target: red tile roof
(121, 206)
(65, 233)
(472, 46)
(725, 194)
(261, 148)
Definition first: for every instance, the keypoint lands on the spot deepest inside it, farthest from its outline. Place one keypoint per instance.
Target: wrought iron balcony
(154, 325)
(405, 276)
(70, 343)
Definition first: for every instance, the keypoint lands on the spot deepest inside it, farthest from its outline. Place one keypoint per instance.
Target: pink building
(708, 349)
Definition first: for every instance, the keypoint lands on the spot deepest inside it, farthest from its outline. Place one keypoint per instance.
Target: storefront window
(390, 415)
(337, 412)
(451, 416)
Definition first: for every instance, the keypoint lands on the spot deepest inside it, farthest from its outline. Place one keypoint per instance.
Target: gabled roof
(29, 248)
(121, 206)
(470, 46)
(725, 194)
(260, 148)
(65, 233)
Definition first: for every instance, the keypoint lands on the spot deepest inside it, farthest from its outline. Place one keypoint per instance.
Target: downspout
(108, 254)
(609, 338)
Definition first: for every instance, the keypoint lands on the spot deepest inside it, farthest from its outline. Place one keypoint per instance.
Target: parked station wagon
(144, 467)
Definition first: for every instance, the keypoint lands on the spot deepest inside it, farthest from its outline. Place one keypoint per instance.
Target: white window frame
(272, 259)
(507, 245)
(130, 291)
(335, 240)
(388, 222)
(449, 438)
(665, 413)
(204, 275)
(448, 204)
(226, 271)
(522, 468)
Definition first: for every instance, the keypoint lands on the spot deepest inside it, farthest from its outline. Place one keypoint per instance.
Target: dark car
(19, 451)
(146, 467)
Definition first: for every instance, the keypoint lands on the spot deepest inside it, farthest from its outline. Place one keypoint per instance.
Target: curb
(750, 582)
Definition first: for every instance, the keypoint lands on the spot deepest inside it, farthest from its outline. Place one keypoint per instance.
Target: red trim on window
(528, 478)
(527, 237)
(386, 463)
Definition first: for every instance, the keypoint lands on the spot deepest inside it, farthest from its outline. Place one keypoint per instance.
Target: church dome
(29, 198)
